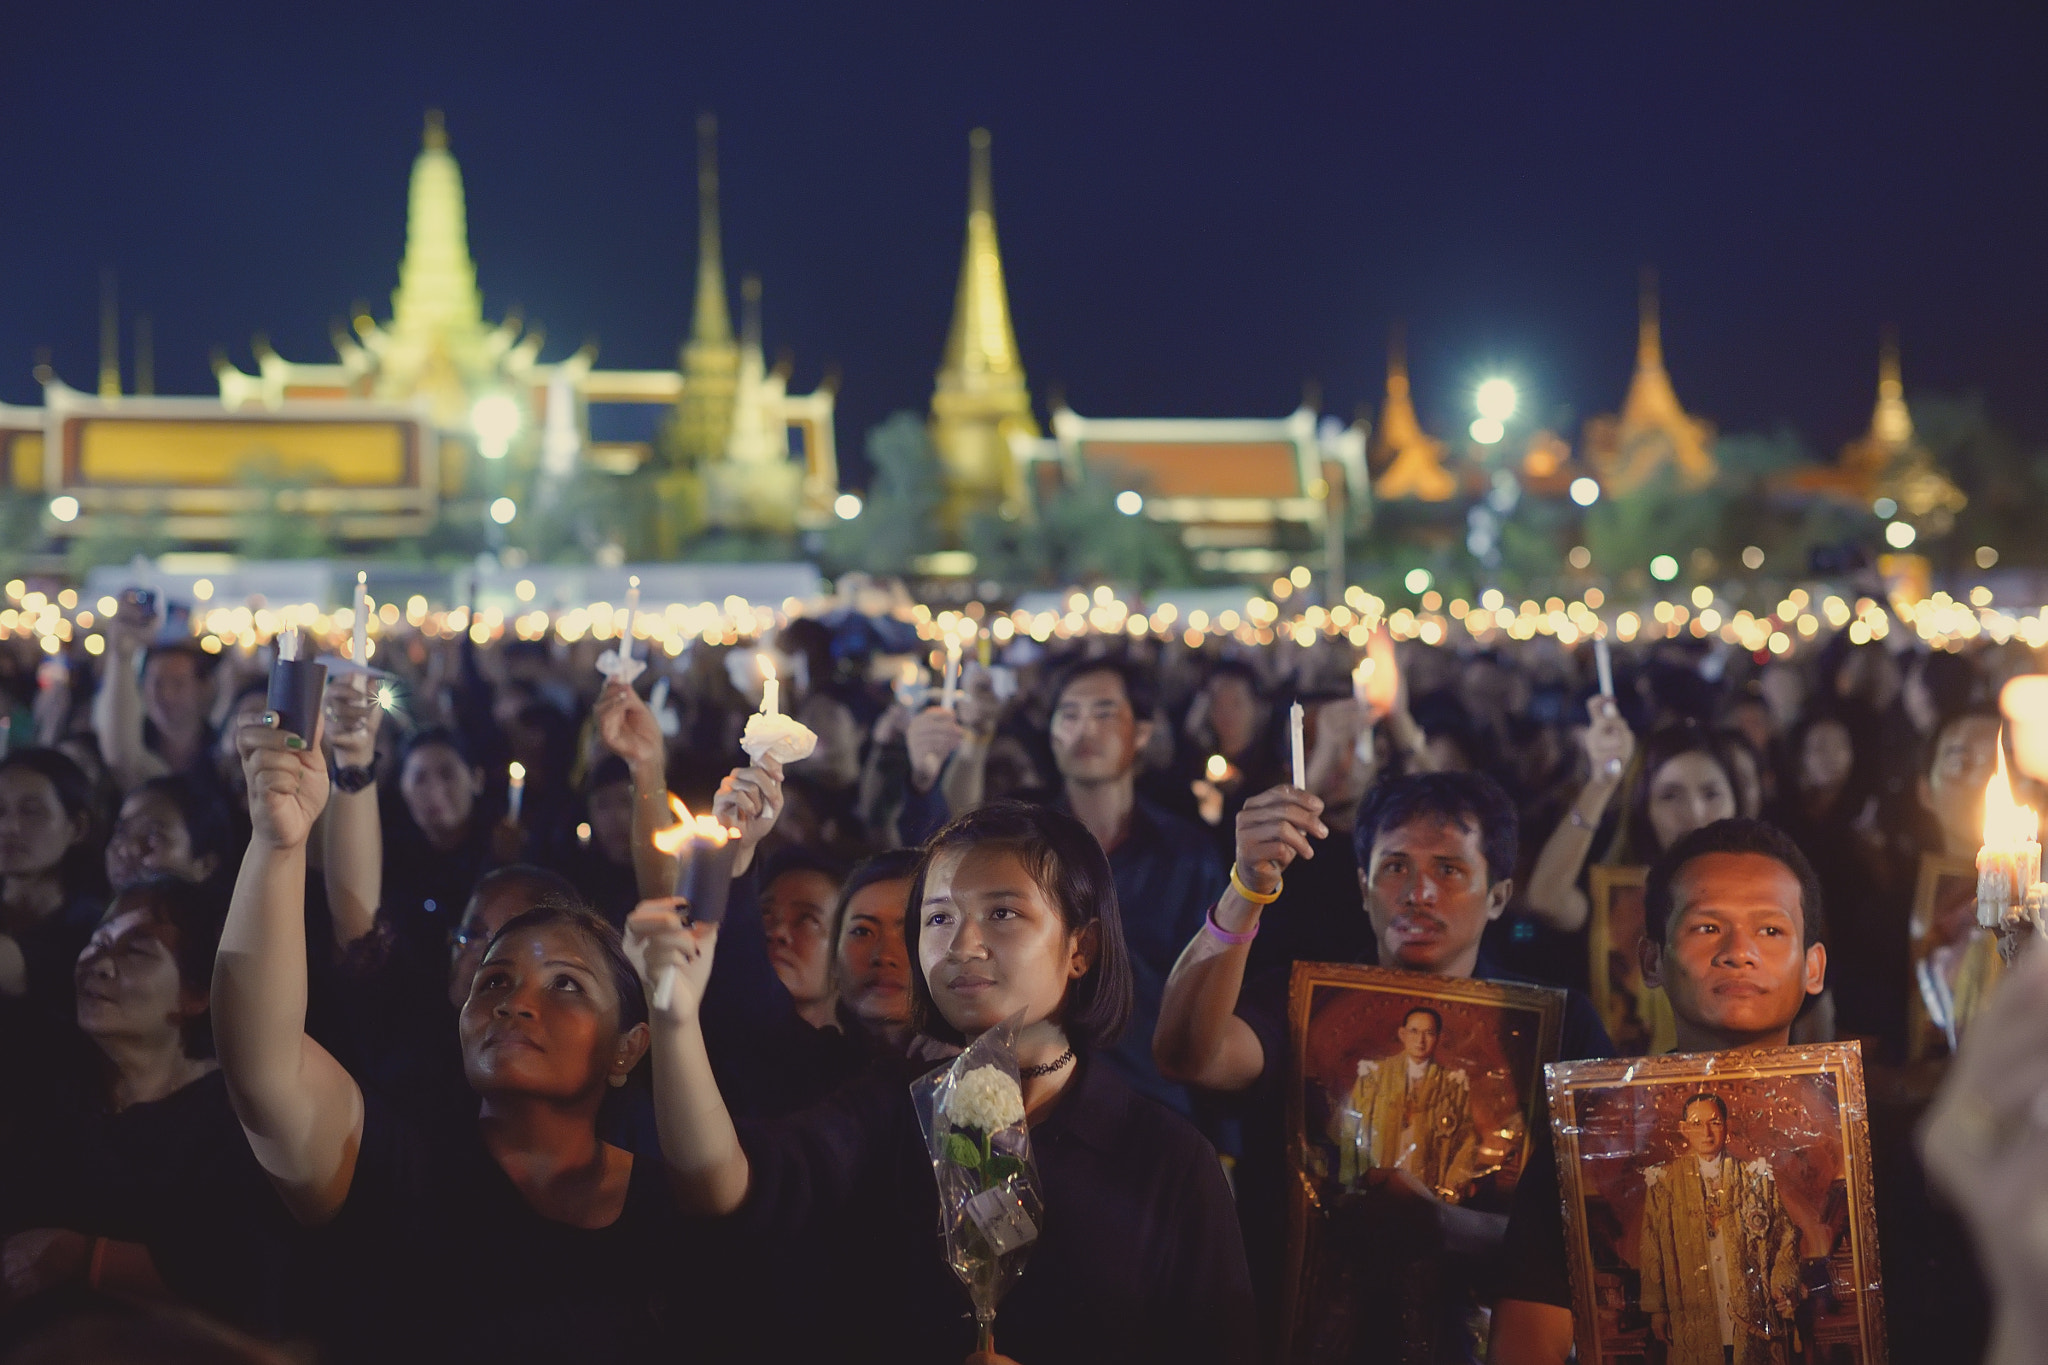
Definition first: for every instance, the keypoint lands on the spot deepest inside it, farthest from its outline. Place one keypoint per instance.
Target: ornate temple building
(981, 408)
(1886, 462)
(412, 410)
(1410, 462)
(1652, 432)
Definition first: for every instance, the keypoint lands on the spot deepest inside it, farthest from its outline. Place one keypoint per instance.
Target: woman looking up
(519, 1233)
(1013, 914)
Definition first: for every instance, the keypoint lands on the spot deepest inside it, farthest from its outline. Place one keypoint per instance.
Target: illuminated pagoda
(1887, 462)
(1652, 432)
(981, 409)
(485, 389)
(1409, 461)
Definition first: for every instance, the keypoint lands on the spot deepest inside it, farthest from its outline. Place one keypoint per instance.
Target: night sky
(1200, 207)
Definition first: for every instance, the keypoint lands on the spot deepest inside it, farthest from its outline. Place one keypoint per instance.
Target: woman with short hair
(1013, 913)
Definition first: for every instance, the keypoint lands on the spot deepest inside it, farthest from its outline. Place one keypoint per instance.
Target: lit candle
(771, 686)
(1603, 660)
(1361, 680)
(516, 791)
(583, 835)
(951, 692)
(2009, 863)
(708, 851)
(1218, 767)
(1294, 721)
(359, 650)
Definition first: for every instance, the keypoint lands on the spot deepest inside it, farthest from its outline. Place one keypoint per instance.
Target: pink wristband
(1209, 923)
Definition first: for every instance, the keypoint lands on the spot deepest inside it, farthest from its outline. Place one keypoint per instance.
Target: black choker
(1033, 1072)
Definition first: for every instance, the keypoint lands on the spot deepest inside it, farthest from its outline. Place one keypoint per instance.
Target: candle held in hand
(632, 616)
(2009, 863)
(1295, 717)
(515, 791)
(708, 851)
(359, 643)
(771, 685)
(951, 692)
(1603, 660)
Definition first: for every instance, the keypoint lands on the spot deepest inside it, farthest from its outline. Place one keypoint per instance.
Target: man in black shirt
(1435, 851)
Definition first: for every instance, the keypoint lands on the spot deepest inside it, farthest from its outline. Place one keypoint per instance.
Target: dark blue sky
(1200, 206)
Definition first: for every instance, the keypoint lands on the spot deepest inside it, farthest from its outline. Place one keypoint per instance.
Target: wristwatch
(355, 779)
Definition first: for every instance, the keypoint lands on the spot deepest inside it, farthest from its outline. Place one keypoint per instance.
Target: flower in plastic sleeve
(986, 1099)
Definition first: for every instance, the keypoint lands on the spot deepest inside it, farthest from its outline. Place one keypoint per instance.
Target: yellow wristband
(1255, 897)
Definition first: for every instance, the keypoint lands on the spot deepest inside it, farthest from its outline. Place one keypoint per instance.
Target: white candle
(632, 612)
(2009, 863)
(952, 688)
(1603, 659)
(517, 791)
(360, 644)
(288, 644)
(771, 686)
(1294, 720)
(1361, 679)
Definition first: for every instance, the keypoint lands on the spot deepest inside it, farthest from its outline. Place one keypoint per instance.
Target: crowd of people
(349, 1044)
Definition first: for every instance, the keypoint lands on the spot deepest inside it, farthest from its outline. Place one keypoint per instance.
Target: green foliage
(1001, 1168)
(2005, 482)
(900, 521)
(1080, 536)
(963, 1151)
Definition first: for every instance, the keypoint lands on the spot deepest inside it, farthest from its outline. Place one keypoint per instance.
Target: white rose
(985, 1099)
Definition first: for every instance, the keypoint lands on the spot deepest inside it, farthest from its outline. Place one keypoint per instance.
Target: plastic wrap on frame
(1752, 1218)
(991, 1203)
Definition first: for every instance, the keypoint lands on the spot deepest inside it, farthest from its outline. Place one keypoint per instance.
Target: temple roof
(1410, 460)
(982, 341)
(1886, 461)
(1653, 431)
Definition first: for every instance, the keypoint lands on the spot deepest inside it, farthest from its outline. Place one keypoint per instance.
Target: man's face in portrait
(1705, 1129)
(1419, 1034)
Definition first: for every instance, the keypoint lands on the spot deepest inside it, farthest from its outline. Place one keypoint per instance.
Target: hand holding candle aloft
(950, 694)
(748, 802)
(1603, 664)
(672, 957)
(296, 685)
(707, 851)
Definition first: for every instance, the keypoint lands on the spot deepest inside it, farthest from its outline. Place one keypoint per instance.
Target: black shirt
(435, 1255)
(175, 1175)
(1139, 1259)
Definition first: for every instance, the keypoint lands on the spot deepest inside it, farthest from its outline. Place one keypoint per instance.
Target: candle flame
(1218, 767)
(670, 841)
(517, 771)
(2006, 821)
(767, 665)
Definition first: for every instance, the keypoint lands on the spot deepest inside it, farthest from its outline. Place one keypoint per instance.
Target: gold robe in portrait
(1436, 1111)
(1762, 1249)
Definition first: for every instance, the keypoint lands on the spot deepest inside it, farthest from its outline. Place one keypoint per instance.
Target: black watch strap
(355, 779)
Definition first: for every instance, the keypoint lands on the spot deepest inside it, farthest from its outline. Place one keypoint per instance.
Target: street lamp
(1496, 400)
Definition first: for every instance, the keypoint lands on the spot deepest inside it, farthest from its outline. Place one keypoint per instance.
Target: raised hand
(1274, 829)
(629, 728)
(663, 948)
(933, 735)
(349, 722)
(749, 800)
(287, 782)
(1609, 743)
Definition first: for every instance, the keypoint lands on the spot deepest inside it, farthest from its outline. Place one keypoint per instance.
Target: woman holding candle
(522, 1234)
(1014, 913)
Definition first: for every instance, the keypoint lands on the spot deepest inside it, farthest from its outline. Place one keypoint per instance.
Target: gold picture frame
(1790, 1188)
(1637, 1017)
(1944, 891)
(1349, 1028)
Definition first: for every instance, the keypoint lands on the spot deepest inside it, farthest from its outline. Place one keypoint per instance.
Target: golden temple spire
(1652, 430)
(980, 406)
(1891, 424)
(436, 291)
(982, 340)
(110, 338)
(712, 322)
(1411, 461)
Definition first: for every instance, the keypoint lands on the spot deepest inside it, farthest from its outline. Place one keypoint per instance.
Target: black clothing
(436, 1255)
(50, 948)
(1264, 1176)
(175, 1175)
(1139, 1259)
(425, 888)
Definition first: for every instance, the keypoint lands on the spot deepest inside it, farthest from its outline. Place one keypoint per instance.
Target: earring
(617, 1078)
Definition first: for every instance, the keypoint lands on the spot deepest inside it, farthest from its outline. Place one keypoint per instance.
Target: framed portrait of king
(1638, 1016)
(1400, 1084)
(1718, 1206)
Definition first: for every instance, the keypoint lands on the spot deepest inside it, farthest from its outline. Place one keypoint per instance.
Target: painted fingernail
(294, 742)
